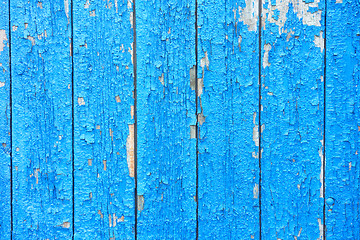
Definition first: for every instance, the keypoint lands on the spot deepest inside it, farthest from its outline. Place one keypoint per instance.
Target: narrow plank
(166, 119)
(292, 119)
(5, 141)
(103, 120)
(342, 120)
(228, 95)
(41, 119)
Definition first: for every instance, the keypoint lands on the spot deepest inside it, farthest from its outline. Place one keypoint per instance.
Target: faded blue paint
(342, 120)
(5, 144)
(41, 120)
(166, 112)
(228, 60)
(103, 98)
(292, 121)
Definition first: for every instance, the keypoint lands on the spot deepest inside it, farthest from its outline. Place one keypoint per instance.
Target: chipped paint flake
(130, 150)
(161, 79)
(319, 41)
(81, 101)
(255, 131)
(3, 38)
(267, 48)
(322, 169)
(140, 202)
(249, 14)
(321, 229)
(256, 191)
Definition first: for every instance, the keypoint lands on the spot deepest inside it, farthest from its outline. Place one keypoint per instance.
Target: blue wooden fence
(180, 119)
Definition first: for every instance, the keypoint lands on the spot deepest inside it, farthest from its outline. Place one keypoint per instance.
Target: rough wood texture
(166, 119)
(103, 120)
(292, 119)
(5, 144)
(41, 119)
(228, 94)
(342, 120)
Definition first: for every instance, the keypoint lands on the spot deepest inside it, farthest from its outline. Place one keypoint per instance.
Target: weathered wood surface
(41, 119)
(166, 179)
(103, 120)
(292, 120)
(342, 172)
(5, 114)
(228, 98)
(179, 119)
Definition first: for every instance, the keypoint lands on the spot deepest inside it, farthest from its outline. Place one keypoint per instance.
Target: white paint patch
(256, 190)
(3, 38)
(2, 84)
(65, 225)
(278, 13)
(319, 41)
(132, 19)
(267, 48)
(130, 150)
(205, 61)
(116, 5)
(66, 6)
(239, 42)
(321, 229)
(87, 4)
(81, 101)
(131, 52)
(192, 131)
(249, 14)
(92, 13)
(339, 1)
(129, 4)
(322, 169)
(255, 131)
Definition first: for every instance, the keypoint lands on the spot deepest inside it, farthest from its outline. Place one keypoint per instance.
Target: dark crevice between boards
(72, 117)
(324, 129)
(259, 109)
(11, 132)
(135, 117)
(197, 121)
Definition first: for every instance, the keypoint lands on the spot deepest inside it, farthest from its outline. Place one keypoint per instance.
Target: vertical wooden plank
(41, 125)
(228, 91)
(5, 147)
(292, 119)
(166, 119)
(103, 120)
(342, 120)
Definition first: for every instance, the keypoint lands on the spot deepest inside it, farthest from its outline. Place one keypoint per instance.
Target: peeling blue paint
(41, 120)
(5, 144)
(103, 102)
(228, 99)
(342, 178)
(166, 110)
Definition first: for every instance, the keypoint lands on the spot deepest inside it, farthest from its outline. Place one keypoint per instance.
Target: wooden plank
(342, 120)
(41, 119)
(292, 119)
(103, 120)
(5, 141)
(166, 119)
(228, 93)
